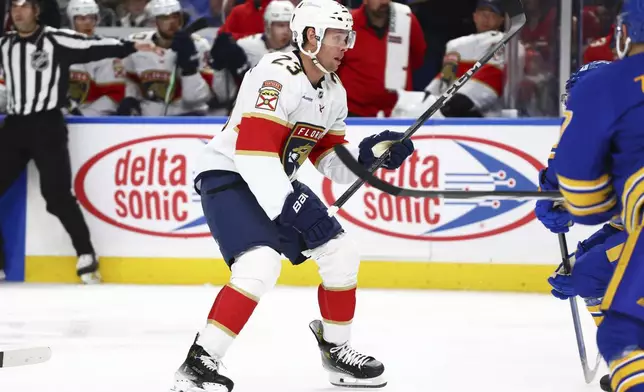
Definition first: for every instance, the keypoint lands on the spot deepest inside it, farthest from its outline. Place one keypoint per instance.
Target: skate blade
(346, 381)
(184, 384)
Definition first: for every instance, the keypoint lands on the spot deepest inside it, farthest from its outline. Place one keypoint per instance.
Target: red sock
(337, 305)
(232, 309)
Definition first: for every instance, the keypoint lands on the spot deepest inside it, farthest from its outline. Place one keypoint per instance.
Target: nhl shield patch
(299, 145)
(39, 60)
(269, 94)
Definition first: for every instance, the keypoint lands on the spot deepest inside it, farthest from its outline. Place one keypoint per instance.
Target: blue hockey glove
(561, 281)
(552, 215)
(374, 146)
(308, 217)
(187, 57)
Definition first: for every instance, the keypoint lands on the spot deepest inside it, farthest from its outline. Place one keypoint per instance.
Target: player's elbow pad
(460, 106)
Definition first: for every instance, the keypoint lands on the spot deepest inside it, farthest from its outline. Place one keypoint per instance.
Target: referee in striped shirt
(35, 60)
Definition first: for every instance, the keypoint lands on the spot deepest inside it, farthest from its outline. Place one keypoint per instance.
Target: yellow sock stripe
(626, 370)
(337, 322)
(223, 328)
(243, 292)
(624, 259)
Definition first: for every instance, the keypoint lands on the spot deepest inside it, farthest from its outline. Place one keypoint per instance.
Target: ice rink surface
(114, 338)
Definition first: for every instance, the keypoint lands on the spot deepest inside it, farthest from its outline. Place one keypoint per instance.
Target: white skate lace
(350, 356)
(210, 363)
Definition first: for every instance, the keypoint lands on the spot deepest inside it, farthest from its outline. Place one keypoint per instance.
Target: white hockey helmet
(278, 11)
(320, 15)
(80, 8)
(163, 7)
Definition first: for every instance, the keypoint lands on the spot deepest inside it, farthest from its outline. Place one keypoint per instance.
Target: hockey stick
(359, 170)
(514, 10)
(199, 24)
(589, 374)
(24, 356)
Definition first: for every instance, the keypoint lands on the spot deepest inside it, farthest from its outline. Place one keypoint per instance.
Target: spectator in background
(137, 14)
(541, 27)
(604, 47)
(245, 19)
(381, 62)
(481, 96)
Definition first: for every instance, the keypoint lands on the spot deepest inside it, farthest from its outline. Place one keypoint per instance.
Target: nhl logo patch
(268, 96)
(40, 60)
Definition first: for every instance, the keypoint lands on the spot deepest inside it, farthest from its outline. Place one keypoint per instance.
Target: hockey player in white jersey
(291, 107)
(96, 88)
(149, 77)
(231, 59)
(480, 97)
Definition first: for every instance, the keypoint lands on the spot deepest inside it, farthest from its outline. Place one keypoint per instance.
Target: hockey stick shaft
(345, 156)
(589, 374)
(514, 9)
(192, 28)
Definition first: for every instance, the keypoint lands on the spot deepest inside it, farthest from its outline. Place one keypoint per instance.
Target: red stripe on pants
(232, 309)
(337, 306)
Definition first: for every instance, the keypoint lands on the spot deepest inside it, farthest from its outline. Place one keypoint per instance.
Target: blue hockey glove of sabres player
(187, 57)
(561, 281)
(309, 216)
(374, 146)
(553, 216)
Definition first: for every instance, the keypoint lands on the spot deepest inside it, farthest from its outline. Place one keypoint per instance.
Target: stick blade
(24, 356)
(514, 9)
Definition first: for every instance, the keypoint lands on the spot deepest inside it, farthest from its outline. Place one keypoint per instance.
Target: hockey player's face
(85, 24)
(280, 34)
(334, 44)
(487, 20)
(168, 25)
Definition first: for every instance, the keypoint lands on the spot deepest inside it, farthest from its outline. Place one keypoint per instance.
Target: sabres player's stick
(589, 374)
(199, 24)
(514, 10)
(24, 356)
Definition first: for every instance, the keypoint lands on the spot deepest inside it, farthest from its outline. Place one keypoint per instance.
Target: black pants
(43, 138)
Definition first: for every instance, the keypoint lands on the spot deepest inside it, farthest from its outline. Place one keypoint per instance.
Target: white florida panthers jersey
(149, 78)
(280, 119)
(97, 88)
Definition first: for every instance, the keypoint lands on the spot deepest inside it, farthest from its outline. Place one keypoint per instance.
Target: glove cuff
(544, 183)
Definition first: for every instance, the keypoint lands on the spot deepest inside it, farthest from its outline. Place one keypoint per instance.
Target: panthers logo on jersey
(79, 84)
(299, 145)
(154, 85)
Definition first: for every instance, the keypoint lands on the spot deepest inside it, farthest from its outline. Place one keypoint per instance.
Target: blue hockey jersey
(600, 156)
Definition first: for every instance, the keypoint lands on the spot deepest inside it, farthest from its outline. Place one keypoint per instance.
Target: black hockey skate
(346, 366)
(604, 383)
(200, 373)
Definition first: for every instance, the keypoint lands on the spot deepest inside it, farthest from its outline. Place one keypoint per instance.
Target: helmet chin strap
(622, 52)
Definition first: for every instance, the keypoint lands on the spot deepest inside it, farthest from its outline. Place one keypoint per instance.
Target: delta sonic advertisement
(134, 183)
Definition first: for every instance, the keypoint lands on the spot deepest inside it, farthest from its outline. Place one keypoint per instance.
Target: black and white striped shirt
(36, 68)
